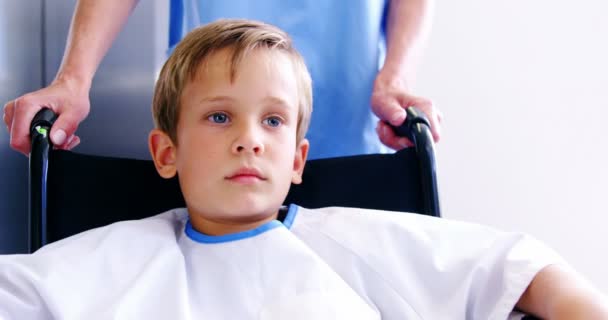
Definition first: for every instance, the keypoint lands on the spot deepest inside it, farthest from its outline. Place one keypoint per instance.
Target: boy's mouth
(246, 175)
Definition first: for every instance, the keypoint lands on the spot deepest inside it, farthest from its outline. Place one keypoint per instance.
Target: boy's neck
(224, 227)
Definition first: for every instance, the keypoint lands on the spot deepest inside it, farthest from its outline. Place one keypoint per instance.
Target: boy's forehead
(226, 62)
(217, 63)
(219, 68)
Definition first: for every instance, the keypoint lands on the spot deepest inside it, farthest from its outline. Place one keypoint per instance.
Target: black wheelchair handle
(41, 144)
(417, 128)
(414, 116)
(45, 118)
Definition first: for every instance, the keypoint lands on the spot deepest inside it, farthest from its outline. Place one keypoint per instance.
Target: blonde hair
(241, 36)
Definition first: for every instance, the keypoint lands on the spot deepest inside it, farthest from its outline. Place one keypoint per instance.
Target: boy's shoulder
(85, 271)
(363, 221)
(159, 230)
(365, 233)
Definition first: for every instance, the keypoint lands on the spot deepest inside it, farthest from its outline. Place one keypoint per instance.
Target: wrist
(78, 83)
(393, 78)
(401, 64)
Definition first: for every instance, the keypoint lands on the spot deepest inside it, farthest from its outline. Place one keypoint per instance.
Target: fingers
(70, 106)
(73, 142)
(63, 131)
(23, 111)
(69, 144)
(18, 122)
(432, 113)
(388, 108)
(390, 139)
(7, 116)
(436, 125)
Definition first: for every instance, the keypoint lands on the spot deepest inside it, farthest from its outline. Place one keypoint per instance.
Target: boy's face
(237, 152)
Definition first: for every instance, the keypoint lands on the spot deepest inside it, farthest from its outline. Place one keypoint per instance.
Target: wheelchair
(71, 192)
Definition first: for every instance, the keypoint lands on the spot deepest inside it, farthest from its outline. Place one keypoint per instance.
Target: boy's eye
(218, 117)
(273, 121)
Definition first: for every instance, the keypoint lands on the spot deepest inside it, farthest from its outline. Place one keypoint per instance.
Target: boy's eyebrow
(269, 99)
(217, 99)
(276, 101)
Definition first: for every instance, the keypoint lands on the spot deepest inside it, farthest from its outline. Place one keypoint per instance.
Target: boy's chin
(248, 216)
(241, 213)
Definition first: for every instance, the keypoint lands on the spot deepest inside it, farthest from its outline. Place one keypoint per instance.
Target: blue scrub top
(343, 44)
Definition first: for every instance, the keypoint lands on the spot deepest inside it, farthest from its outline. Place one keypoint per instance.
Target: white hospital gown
(332, 263)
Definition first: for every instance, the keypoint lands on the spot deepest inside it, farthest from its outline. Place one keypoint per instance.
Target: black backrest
(86, 191)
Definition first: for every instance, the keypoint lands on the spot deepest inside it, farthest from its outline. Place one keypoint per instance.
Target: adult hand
(68, 99)
(390, 98)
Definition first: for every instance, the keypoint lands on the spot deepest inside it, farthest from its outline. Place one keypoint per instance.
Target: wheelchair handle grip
(42, 122)
(414, 116)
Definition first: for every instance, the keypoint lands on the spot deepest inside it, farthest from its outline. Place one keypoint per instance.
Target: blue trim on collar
(203, 238)
(291, 215)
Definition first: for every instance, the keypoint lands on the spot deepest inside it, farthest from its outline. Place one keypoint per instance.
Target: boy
(231, 107)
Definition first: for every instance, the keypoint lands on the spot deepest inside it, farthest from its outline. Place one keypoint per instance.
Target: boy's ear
(299, 161)
(163, 153)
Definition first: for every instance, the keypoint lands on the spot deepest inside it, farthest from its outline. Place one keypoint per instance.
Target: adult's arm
(94, 27)
(408, 26)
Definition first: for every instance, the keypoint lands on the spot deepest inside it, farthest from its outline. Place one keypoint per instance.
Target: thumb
(65, 126)
(388, 109)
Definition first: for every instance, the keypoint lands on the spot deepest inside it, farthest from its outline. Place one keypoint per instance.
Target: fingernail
(397, 117)
(58, 137)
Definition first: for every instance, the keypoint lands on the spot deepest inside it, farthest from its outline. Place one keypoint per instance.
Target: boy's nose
(248, 141)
